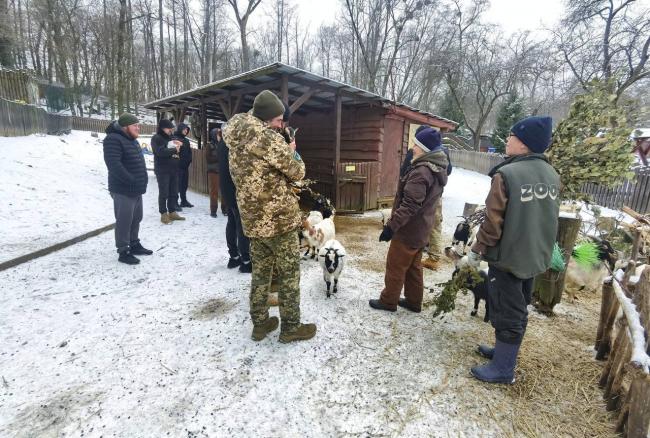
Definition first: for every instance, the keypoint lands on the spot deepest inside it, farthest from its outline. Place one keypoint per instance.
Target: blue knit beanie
(534, 132)
(428, 139)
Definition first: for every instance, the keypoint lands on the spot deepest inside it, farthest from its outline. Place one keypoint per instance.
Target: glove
(474, 259)
(386, 234)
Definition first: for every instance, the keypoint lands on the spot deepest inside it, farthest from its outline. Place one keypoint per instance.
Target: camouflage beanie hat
(267, 106)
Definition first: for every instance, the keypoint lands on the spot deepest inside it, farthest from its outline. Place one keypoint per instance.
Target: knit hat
(267, 106)
(127, 119)
(420, 128)
(428, 139)
(165, 124)
(534, 132)
(181, 127)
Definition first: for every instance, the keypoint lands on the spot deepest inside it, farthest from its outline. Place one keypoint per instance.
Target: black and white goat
(463, 236)
(479, 290)
(332, 259)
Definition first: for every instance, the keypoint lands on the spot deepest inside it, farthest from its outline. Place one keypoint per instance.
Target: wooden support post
(638, 421)
(284, 89)
(302, 99)
(609, 310)
(469, 209)
(225, 107)
(337, 147)
(549, 285)
(234, 109)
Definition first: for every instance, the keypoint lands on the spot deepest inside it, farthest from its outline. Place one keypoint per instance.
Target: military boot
(301, 332)
(261, 330)
(431, 262)
(175, 216)
(165, 219)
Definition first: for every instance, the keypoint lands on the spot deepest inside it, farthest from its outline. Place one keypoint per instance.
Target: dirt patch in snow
(213, 308)
(360, 236)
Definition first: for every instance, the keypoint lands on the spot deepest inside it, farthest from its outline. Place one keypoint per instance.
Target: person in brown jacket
(410, 224)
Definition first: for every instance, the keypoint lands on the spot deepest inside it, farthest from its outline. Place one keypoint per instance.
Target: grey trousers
(128, 214)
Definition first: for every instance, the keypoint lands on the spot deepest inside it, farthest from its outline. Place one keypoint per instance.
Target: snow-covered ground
(95, 348)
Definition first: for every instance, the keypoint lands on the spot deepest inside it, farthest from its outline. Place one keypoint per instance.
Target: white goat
(332, 259)
(317, 235)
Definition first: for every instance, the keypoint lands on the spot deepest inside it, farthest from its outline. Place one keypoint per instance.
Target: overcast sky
(512, 15)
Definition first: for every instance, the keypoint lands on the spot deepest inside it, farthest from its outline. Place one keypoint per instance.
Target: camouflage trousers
(276, 260)
(435, 238)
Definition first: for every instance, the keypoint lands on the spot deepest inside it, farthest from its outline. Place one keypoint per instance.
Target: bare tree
(242, 22)
(606, 39)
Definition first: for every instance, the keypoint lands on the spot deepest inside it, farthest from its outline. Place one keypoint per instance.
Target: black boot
(138, 249)
(246, 267)
(213, 214)
(377, 304)
(405, 304)
(185, 203)
(128, 258)
(234, 262)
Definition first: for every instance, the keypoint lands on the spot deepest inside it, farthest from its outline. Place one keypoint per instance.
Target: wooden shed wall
(362, 134)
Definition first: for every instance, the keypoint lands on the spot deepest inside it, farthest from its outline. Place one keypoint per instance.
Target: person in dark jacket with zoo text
(516, 239)
(184, 161)
(412, 218)
(165, 166)
(127, 182)
(238, 244)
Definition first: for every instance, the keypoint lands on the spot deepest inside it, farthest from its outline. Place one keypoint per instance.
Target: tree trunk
(5, 40)
(550, 284)
(162, 49)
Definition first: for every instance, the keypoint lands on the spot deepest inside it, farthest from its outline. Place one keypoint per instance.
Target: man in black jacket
(127, 182)
(238, 244)
(165, 166)
(185, 159)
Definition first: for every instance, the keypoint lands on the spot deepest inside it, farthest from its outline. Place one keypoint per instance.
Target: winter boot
(261, 330)
(301, 332)
(501, 369)
(377, 304)
(246, 267)
(175, 216)
(138, 249)
(431, 262)
(213, 214)
(405, 304)
(128, 258)
(485, 351)
(233, 262)
(165, 219)
(185, 203)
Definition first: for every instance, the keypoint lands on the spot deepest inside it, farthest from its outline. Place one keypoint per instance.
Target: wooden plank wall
(477, 161)
(198, 179)
(18, 85)
(99, 125)
(368, 172)
(362, 134)
(634, 193)
(18, 120)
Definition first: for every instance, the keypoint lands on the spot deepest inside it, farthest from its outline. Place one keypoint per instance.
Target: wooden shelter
(345, 134)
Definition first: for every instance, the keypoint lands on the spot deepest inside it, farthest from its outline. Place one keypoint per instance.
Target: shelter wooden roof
(304, 91)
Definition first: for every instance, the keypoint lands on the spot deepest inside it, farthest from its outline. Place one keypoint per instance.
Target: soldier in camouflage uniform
(263, 167)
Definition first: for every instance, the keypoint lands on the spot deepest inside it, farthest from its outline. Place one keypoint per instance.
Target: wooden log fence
(198, 178)
(480, 162)
(99, 125)
(625, 379)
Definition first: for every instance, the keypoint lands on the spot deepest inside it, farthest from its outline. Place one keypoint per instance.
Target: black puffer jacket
(127, 171)
(185, 154)
(165, 159)
(226, 185)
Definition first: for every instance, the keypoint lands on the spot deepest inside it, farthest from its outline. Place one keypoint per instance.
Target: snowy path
(92, 347)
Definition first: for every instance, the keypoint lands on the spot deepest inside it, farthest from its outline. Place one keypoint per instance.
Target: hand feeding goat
(479, 290)
(316, 235)
(332, 259)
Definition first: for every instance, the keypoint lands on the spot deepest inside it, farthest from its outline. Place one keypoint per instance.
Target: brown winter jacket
(418, 192)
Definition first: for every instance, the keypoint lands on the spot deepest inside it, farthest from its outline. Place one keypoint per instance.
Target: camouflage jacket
(263, 167)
